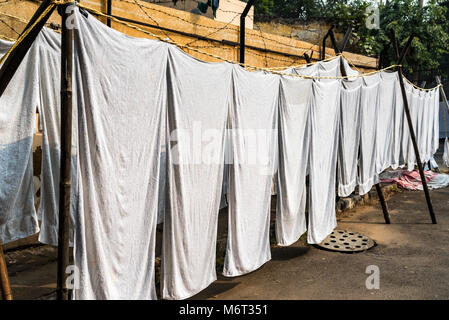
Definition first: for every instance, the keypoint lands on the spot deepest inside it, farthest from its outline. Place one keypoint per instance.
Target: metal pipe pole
(409, 121)
(66, 149)
(307, 57)
(5, 288)
(345, 40)
(383, 203)
(443, 94)
(109, 12)
(242, 29)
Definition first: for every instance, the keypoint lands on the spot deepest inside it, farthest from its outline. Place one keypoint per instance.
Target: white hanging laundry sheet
(294, 138)
(407, 145)
(395, 159)
(49, 44)
(253, 121)
(197, 116)
(435, 144)
(385, 122)
(324, 116)
(18, 105)
(369, 101)
(120, 93)
(446, 152)
(349, 135)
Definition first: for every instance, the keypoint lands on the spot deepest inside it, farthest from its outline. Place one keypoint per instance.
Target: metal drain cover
(346, 241)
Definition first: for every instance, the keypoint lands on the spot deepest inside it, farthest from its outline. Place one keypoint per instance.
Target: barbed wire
(229, 26)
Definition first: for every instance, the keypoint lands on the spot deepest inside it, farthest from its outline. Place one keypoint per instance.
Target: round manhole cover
(346, 241)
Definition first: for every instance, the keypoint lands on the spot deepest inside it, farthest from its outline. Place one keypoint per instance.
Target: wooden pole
(400, 59)
(66, 149)
(4, 280)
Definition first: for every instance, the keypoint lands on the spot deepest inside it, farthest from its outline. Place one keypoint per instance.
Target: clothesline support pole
(249, 4)
(16, 56)
(66, 149)
(109, 12)
(330, 33)
(443, 94)
(345, 40)
(5, 288)
(307, 57)
(400, 58)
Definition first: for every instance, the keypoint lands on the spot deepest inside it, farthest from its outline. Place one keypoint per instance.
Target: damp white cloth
(385, 117)
(18, 105)
(395, 159)
(49, 45)
(446, 152)
(253, 120)
(197, 116)
(369, 101)
(324, 116)
(120, 93)
(294, 103)
(349, 135)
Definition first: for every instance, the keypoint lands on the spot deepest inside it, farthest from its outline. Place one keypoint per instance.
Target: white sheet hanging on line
(120, 85)
(294, 137)
(422, 126)
(396, 160)
(385, 122)
(253, 120)
(446, 152)
(436, 122)
(407, 146)
(369, 100)
(349, 135)
(18, 104)
(324, 122)
(49, 112)
(197, 115)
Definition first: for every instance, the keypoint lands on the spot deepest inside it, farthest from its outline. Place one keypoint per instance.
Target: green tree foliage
(431, 25)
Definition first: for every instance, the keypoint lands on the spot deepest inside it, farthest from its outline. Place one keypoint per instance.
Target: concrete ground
(411, 253)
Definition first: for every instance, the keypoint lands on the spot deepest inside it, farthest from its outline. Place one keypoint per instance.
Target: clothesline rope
(419, 88)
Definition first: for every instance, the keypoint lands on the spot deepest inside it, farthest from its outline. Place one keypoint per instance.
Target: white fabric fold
(369, 102)
(18, 105)
(294, 137)
(324, 122)
(49, 112)
(253, 120)
(197, 115)
(385, 117)
(349, 135)
(120, 93)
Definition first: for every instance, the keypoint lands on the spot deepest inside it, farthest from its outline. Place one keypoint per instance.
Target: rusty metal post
(66, 149)
(400, 59)
(5, 288)
(242, 29)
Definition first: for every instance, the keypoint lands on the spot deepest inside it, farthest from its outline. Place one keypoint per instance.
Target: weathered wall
(264, 49)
